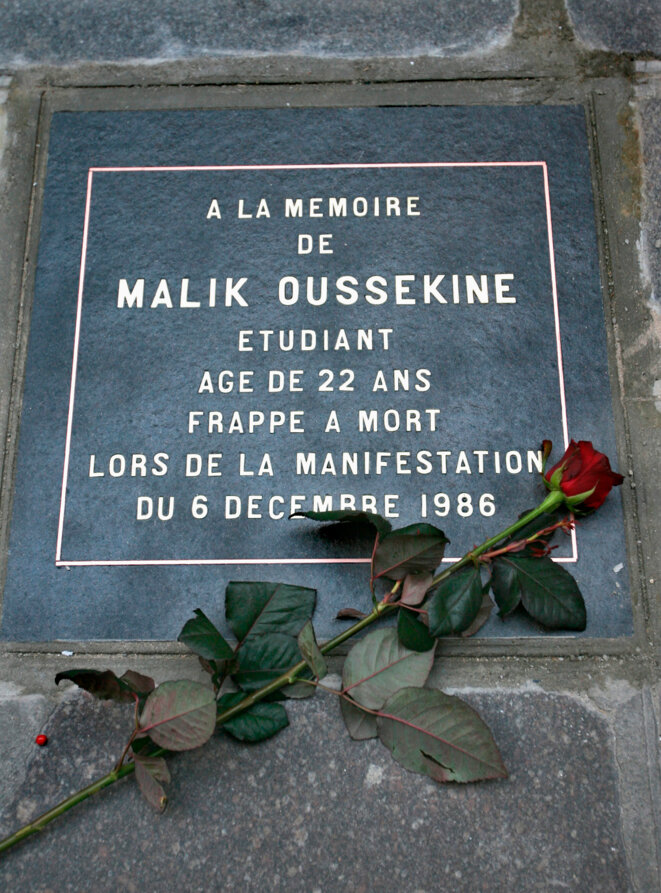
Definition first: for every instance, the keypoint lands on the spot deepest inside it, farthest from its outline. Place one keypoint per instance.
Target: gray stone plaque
(243, 314)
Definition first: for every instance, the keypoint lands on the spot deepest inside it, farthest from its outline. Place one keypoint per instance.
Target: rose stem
(381, 609)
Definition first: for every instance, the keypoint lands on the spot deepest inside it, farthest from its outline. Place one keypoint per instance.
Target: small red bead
(41, 740)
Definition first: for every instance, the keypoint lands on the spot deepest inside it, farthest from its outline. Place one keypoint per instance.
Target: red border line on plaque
(60, 562)
(74, 367)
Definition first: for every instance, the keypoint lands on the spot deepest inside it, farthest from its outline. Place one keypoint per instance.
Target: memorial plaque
(243, 314)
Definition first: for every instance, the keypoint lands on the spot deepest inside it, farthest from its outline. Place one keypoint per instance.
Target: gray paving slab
(311, 810)
(650, 118)
(645, 411)
(621, 26)
(34, 31)
(21, 716)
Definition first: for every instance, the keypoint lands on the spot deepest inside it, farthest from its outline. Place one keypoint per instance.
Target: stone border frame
(614, 160)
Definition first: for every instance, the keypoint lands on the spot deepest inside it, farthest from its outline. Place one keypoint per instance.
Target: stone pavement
(578, 723)
(311, 810)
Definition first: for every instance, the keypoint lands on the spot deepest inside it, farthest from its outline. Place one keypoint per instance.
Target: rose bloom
(582, 471)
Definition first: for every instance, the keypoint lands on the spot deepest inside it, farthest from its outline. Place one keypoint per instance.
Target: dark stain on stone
(549, 21)
(631, 159)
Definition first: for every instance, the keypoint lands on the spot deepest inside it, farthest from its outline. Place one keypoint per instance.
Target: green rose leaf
(415, 588)
(307, 643)
(412, 632)
(137, 683)
(548, 592)
(257, 723)
(216, 669)
(149, 773)
(438, 735)
(263, 658)
(454, 604)
(383, 527)
(379, 664)
(229, 699)
(144, 746)
(179, 715)
(360, 724)
(506, 586)
(253, 609)
(103, 684)
(300, 690)
(481, 618)
(409, 550)
(350, 614)
(202, 637)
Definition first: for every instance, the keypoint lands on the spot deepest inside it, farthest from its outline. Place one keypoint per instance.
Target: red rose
(583, 475)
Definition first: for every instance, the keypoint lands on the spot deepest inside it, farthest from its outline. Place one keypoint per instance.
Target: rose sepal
(547, 446)
(578, 498)
(555, 480)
